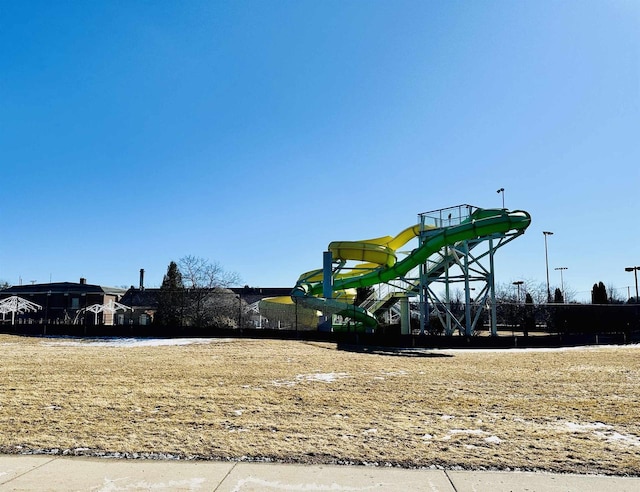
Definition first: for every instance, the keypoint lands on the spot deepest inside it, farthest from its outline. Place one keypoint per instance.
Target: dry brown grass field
(574, 410)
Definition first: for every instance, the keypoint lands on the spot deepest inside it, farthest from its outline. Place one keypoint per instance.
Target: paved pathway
(54, 473)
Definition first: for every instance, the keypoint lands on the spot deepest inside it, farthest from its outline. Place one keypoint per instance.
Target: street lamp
(518, 283)
(562, 280)
(635, 271)
(546, 258)
(501, 190)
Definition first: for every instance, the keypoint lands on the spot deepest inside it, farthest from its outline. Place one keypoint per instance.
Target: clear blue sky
(253, 133)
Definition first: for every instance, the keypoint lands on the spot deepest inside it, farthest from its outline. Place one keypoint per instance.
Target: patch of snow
(516, 350)
(130, 342)
(447, 417)
(604, 431)
(613, 436)
(328, 377)
(395, 373)
(370, 431)
(573, 426)
(475, 432)
(283, 382)
(238, 412)
(493, 440)
(470, 432)
(427, 436)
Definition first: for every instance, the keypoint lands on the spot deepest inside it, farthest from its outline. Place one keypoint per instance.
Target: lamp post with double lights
(634, 269)
(562, 280)
(501, 190)
(546, 258)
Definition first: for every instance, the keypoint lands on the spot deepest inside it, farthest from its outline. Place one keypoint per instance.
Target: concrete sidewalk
(54, 473)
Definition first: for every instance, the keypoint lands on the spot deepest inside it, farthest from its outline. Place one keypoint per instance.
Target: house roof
(60, 288)
(147, 298)
(254, 294)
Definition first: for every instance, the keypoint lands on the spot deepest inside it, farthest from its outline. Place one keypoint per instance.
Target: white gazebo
(110, 307)
(15, 304)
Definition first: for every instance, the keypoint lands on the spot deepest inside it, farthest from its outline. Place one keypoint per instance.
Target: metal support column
(422, 299)
(492, 287)
(447, 293)
(423, 285)
(467, 292)
(405, 318)
(327, 288)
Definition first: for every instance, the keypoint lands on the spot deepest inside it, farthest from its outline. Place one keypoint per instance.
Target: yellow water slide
(380, 262)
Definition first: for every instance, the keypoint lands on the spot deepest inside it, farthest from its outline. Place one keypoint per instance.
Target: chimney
(83, 281)
(142, 279)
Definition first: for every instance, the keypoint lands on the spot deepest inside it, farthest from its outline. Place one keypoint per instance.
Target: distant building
(64, 302)
(250, 298)
(143, 303)
(70, 303)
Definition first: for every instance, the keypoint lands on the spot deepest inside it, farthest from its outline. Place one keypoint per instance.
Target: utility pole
(546, 257)
(562, 281)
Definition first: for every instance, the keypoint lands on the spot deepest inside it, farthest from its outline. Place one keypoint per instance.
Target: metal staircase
(469, 262)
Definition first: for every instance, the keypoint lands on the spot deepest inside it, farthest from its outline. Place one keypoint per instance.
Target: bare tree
(524, 311)
(615, 297)
(209, 300)
(506, 292)
(569, 294)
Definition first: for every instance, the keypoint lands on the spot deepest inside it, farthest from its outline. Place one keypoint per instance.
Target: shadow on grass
(391, 351)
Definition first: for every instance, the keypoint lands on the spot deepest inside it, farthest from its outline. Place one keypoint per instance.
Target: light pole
(501, 190)
(546, 258)
(635, 271)
(518, 283)
(562, 280)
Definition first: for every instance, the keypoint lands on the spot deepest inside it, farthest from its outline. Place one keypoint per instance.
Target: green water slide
(480, 225)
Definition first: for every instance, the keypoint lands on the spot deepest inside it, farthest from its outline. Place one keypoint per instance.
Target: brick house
(64, 302)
